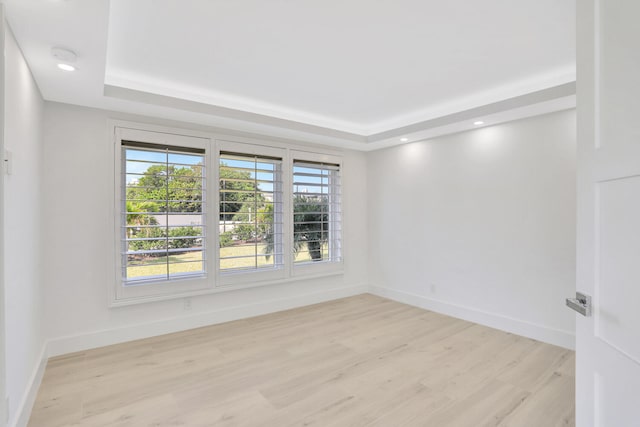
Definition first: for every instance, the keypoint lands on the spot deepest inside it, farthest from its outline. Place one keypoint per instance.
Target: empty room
(319, 213)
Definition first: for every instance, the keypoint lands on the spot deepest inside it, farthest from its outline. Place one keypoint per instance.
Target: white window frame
(213, 281)
(233, 278)
(324, 267)
(150, 289)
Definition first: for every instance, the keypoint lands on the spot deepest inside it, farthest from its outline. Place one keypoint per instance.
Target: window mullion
(255, 211)
(167, 210)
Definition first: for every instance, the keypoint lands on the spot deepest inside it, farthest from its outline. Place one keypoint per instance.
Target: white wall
(3, 366)
(78, 266)
(22, 233)
(480, 225)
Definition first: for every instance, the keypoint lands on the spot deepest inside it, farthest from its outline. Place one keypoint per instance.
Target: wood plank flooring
(359, 361)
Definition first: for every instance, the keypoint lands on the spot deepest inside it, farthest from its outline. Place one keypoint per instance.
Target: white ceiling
(341, 72)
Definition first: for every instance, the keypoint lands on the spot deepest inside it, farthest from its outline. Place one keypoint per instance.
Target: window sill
(115, 303)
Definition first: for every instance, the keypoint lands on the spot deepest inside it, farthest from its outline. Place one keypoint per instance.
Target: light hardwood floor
(359, 361)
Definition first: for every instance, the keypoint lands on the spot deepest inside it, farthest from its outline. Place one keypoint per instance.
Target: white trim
(230, 279)
(315, 156)
(23, 412)
(565, 339)
(224, 135)
(326, 267)
(73, 343)
(428, 132)
(176, 286)
(222, 288)
(243, 107)
(313, 269)
(214, 280)
(520, 95)
(470, 101)
(69, 344)
(249, 148)
(139, 87)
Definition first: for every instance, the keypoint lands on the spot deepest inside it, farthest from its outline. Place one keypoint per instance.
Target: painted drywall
(24, 109)
(3, 365)
(480, 225)
(79, 244)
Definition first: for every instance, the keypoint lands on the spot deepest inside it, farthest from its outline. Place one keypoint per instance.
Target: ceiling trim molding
(532, 98)
(230, 113)
(557, 98)
(504, 92)
(248, 106)
(141, 88)
(445, 127)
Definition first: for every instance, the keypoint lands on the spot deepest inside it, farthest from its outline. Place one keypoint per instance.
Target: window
(317, 217)
(275, 215)
(251, 219)
(163, 211)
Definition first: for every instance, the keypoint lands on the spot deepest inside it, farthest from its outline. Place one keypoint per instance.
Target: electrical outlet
(187, 304)
(432, 288)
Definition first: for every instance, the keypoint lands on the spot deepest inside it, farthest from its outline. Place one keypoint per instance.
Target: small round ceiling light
(65, 58)
(404, 139)
(66, 67)
(478, 122)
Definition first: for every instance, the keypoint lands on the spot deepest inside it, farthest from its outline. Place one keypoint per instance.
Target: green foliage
(179, 189)
(310, 229)
(136, 213)
(148, 245)
(311, 225)
(256, 217)
(169, 189)
(185, 241)
(226, 239)
(236, 191)
(136, 216)
(162, 189)
(265, 221)
(182, 186)
(245, 231)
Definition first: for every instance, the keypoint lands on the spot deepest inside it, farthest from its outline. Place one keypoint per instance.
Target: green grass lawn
(192, 262)
(157, 266)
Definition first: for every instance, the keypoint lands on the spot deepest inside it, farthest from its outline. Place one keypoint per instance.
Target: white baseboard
(70, 344)
(565, 339)
(23, 412)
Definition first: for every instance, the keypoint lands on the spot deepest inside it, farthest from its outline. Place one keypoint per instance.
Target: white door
(608, 342)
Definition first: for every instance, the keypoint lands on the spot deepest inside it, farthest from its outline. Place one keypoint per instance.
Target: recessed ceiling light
(64, 58)
(404, 139)
(66, 67)
(478, 123)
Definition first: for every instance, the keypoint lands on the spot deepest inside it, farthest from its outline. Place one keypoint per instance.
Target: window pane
(250, 212)
(164, 212)
(316, 212)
